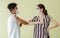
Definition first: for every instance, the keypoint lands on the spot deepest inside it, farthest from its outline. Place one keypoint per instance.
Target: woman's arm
(55, 24)
(32, 23)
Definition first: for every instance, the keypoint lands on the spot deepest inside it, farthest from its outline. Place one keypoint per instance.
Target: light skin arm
(55, 24)
(36, 22)
(32, 23)
(21, 21)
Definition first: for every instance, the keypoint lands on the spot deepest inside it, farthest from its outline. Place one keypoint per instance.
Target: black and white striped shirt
(40, 30)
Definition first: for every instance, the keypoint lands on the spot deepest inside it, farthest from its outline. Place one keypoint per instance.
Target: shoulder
(48, 16)
(36, 16)
(11, 17)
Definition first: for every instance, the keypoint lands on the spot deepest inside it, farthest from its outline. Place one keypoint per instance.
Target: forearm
(24, 22)
(52, 27)
(21, 21)
(32, 23)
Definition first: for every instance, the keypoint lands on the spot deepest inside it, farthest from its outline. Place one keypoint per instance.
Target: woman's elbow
(57, 25)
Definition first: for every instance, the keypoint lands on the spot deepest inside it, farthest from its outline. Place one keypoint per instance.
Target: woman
(42, 22)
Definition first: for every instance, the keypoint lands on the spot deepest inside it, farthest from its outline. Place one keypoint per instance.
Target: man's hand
(20, 24)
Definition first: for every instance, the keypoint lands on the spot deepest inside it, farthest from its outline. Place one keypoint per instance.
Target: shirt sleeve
(33, 19)
(50, 17)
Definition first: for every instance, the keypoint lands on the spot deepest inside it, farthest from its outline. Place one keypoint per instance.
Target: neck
(12, 12)
(42, 15)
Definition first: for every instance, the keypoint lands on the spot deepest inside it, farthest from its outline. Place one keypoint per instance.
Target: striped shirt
(40, 30)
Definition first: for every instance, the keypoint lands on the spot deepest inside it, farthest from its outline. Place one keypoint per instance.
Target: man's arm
(20, 24)
(21, 21)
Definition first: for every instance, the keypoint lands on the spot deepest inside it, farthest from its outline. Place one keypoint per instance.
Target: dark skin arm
(21, 21)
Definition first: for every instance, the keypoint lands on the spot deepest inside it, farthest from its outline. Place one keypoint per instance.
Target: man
(14, 22)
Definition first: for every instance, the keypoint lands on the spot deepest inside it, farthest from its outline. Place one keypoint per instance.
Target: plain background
(27, 9)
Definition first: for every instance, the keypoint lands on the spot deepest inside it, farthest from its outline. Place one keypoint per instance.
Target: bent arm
(55, 24)
(21, 21)
(32, 23)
